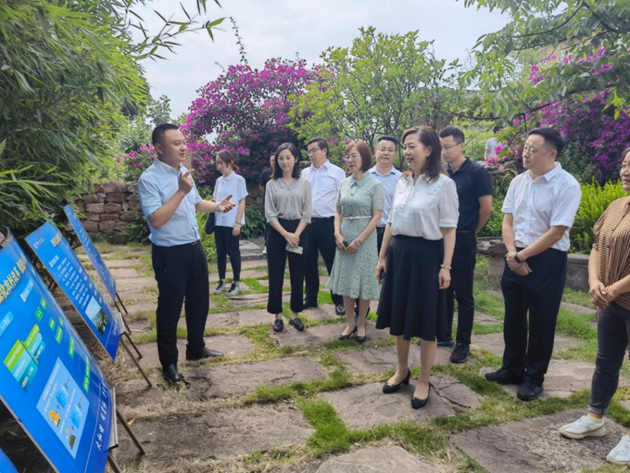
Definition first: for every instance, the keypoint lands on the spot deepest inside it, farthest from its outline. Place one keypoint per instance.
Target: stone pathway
(258, 408)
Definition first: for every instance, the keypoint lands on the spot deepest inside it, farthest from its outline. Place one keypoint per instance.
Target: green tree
(382, 84)
(67, 71)
(160, 110)
(586, 42)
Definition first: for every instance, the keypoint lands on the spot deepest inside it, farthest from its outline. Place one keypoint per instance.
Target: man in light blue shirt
(388, 175)
(170, 201)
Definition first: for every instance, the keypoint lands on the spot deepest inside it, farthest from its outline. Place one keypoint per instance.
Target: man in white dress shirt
(325, 178)
(539, 209)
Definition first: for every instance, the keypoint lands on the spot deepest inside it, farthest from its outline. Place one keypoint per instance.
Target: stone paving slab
(255, 299)
(245, 318)
(246, 245)
(139, 326)
(248, 273)
(377, 460)
(563, 378)
(323, 312)
(229, 345)
(485, 319)
(136, 393)
(216, 434)
(238, 379)
(363, 407)
(141, 307)
(215, 282)
(123, 273)
(320, 334)
(535, 445)
(134, 284)
(493, 342)
(122, 263)
(383, 359)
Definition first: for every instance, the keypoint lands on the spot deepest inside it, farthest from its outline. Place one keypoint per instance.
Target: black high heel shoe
(418, 403)
(350, 335)
(392, 388)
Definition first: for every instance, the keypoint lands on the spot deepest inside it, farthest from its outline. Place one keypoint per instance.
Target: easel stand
(122, 310)
(53, 285)
(113, 444)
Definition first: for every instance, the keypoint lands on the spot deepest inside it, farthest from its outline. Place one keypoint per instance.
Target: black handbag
(210, 224)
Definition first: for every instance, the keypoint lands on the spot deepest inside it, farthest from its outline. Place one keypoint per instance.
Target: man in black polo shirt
(474, 189)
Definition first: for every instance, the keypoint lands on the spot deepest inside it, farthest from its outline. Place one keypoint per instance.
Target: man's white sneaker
(585, 426)
(620, 455)
(264, 253)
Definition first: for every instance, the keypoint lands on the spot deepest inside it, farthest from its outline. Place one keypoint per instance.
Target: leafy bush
(595, 200)
(207, 241)
(493, 226)
(255, 223)
(137, 231)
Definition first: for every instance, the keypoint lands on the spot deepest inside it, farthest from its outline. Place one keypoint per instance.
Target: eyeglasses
(312, 151)
(387, 150)
(447, 147)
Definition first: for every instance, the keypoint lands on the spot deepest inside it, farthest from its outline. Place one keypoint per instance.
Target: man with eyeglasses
(388, 175)
(325, 179)
(474, 189)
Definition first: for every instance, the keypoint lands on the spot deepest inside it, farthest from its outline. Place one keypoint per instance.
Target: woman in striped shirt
(609, 279)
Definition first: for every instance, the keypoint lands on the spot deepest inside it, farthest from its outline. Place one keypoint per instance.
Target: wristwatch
(518, 260)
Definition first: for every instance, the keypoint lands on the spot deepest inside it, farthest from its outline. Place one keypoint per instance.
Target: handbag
(210, 224)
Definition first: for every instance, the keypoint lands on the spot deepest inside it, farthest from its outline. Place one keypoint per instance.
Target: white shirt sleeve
(242, 188)
(564, 210)
(448, 206)
(508, 203)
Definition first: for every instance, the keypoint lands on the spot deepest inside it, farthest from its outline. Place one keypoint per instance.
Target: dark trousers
(227, 245)
(540, 293)
(380, 232)
(321, 238)
(181, 273)
(461, 288)
(276, 263)
(613, 333)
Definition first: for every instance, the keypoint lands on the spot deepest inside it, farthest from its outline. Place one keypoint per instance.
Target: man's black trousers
(182, 275)
(540, 293)
(321, 238)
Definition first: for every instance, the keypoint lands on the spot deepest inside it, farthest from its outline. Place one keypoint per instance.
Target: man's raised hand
(186, 182)
(225, 205)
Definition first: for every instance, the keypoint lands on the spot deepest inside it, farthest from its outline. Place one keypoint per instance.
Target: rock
(91, 227)
(238, 379)
(94, 217)
(112, 208)
(95, 208)
(135, 205)
(379, 459)
(80, 206)
(114, 187)
(363, 407)
(129, 216)
(321, 334)
(456, 392)
(563, 378)
(216, 433)
(91, 199)
(105, 217)
(132, 188)
(120, 225)
(535, 445)
(125, 206)
(107, 227)
(132, 198)
(115, 197)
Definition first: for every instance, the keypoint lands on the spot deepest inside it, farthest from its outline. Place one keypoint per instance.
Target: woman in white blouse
(417, 250)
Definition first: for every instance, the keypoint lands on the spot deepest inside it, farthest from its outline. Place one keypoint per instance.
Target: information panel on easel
(48, 379)
(62, 263)
(95, 257)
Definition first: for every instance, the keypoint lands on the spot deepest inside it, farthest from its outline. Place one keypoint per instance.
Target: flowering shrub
(247, 111)
(597, 132)
(135, 162)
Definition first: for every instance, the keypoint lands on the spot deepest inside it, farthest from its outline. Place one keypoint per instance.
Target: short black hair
(160, 130)
(496, 129)
(277, 172)
(388, 138)
(456, 133)
(552, 138)
(321, 144)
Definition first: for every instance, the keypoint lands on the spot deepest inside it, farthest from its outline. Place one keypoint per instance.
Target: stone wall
(110, 208)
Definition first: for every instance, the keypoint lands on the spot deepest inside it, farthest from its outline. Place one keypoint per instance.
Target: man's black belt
(321, 219)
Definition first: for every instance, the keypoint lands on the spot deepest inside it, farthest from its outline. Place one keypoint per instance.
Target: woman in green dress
(359, 207)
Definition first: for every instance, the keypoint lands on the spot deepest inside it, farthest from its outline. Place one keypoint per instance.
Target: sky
(286, 28)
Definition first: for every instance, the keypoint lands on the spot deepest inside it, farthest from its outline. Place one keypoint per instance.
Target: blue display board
(5, 464)
(48, 378)
(92, 252)
(66, 269)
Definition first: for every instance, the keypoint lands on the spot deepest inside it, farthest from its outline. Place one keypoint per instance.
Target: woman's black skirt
(411, 304)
